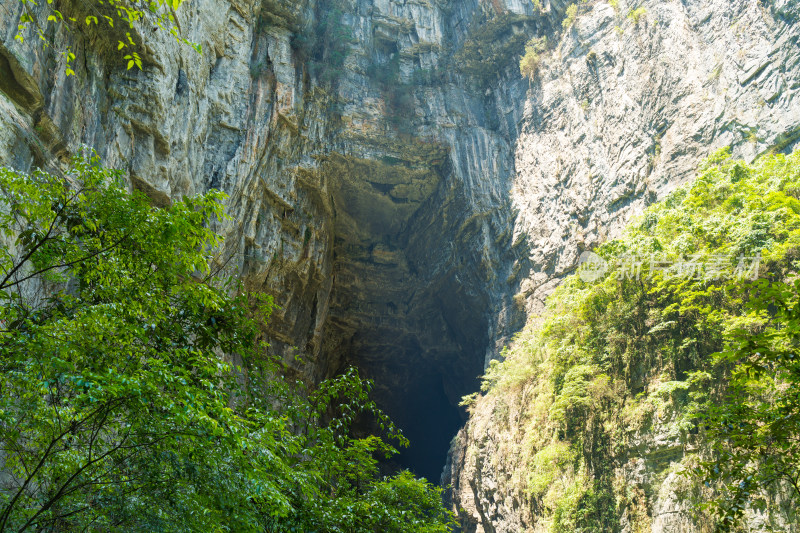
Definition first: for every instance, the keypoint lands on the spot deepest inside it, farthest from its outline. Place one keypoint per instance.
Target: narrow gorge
(404, 194)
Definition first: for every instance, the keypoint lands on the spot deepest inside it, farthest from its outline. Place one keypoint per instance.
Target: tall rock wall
(368, 181)
(393, 182)
(624, 107)
(621, 112)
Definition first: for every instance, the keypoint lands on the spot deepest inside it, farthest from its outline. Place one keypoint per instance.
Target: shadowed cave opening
(421, 374)
(410, 304)
(429, 420)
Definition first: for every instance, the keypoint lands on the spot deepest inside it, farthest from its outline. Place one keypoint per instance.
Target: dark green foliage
(121, 408)
(331, 44)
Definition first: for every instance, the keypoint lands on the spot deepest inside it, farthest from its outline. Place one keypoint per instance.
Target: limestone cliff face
(625, 107)
(396, 185)
(620, 113)
(368, 181)
(187, 123)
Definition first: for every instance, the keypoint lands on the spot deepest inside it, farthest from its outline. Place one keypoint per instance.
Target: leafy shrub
(113, 22)
(546, 465)
(530, 61)
(753, 426)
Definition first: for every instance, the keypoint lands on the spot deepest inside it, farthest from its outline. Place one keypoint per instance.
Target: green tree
(754, 428)
(120, 405)
(530, 61)
(634, 15)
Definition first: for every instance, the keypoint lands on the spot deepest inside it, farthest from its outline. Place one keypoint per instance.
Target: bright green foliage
(754, 429)
(546, 465)
(120, 408)
(613, 356)
(634, 15)
(530, 61)
(570, 15)
(114, 19)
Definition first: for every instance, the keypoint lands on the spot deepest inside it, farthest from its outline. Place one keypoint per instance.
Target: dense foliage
(633, 345)
(135, 394)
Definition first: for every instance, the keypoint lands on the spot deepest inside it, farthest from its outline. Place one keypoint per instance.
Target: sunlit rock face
(393, 182)
(619, 114)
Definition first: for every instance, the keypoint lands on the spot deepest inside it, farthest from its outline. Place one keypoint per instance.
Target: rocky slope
(403, 193)
(620, 113)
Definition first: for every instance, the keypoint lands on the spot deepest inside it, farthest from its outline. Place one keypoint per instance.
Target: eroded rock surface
(620, 113)
(405, 204)
(368, 182)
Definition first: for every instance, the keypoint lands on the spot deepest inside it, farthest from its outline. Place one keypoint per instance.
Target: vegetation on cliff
(118, 24)
(136, 394)
(685, 329)
(493, 42)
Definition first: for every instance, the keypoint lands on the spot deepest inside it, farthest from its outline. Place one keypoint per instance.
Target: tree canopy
(136, 394)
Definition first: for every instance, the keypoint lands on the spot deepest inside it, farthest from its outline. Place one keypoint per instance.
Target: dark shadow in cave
(429, 421)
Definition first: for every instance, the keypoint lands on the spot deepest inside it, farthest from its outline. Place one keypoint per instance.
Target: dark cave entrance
(420, 332)
(414, 294)
(429, 420)
(421, 369)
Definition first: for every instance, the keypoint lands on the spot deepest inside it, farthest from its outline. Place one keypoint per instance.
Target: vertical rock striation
(622, 110)
(393, 182)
